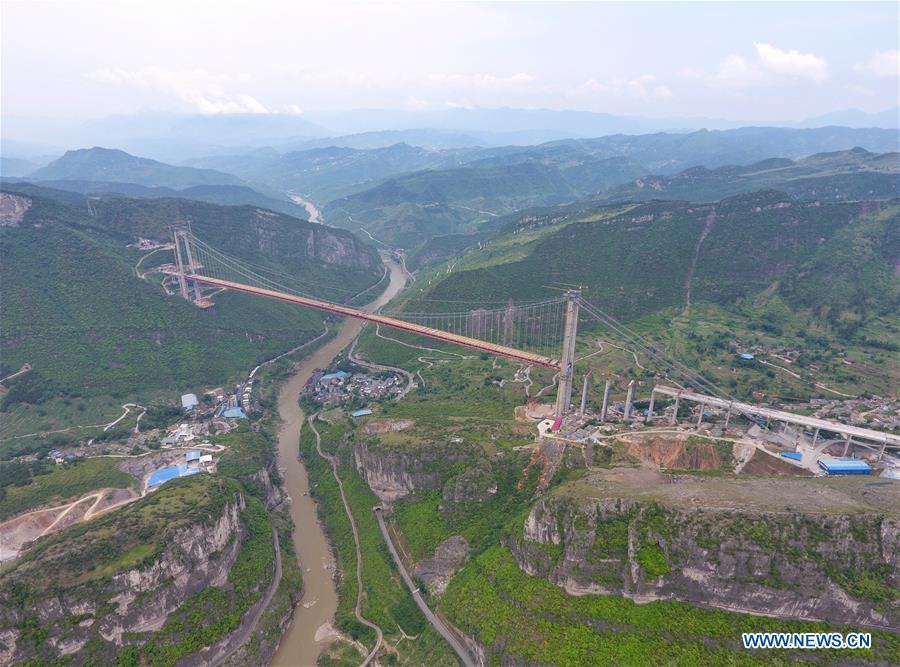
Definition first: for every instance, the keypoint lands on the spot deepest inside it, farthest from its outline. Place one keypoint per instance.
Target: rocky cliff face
(839, 568)
(437, 570)
(337, 247)
(136, 600)
(393, 473)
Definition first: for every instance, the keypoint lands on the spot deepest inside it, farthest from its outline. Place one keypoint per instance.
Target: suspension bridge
(540, 333)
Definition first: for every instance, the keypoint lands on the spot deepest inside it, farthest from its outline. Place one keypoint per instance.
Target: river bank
(315, 216)
(319, 601)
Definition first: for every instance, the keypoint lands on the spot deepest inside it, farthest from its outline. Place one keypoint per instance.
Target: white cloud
(881, 64)
(738, 72)
(791, 63)
(771, 66)
(642, 87)
(197, 89)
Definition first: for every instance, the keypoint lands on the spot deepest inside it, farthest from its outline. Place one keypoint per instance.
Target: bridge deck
(780, 415)
(428, 332)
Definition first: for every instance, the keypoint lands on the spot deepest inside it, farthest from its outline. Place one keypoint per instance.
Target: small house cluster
(341, 387)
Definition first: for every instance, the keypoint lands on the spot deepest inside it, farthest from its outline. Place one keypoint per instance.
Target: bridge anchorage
(531, 333)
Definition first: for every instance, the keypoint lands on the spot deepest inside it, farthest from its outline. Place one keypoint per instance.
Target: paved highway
(438, 624)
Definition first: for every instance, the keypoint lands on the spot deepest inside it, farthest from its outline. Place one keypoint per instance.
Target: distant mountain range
(225, 195)
(842, 175)
(103, 171)
(173, 138)
(116, 166)
(415, 208)
(406, 195)
(14, 166)
(330, 173)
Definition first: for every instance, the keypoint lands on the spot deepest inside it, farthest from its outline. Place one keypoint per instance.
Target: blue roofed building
(362, 412)
(163, 475)
(234, 413)
(192, 456)
(338, 375)
(845, 466)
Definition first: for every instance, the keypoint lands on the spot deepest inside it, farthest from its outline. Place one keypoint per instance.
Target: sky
(749, 61)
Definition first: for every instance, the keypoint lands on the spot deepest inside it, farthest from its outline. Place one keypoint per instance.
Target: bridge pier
(584, 394)
(847, 444)
(650, 407)
(675, 413)
(629, 399)
(605, 401)
(700, 416)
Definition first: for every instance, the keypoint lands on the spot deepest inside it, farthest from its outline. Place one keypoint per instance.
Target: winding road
(359, 581)
(436, 622)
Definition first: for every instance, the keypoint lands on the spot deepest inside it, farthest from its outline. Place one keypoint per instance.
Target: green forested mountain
(105, 164)
(12, 166)
(638, 258)
(75, 310)
(668, 153)
(226, 195)
(843, 175)
(412, 208)
(329, 172)
(416, 207)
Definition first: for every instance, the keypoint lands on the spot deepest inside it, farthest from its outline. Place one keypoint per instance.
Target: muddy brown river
(312, 617)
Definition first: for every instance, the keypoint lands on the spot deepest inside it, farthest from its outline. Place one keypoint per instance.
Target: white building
(189, 402)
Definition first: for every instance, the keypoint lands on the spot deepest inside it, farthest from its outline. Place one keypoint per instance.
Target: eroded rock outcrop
(393, 472)
(437, 570)
(838, 568)
(135, 600)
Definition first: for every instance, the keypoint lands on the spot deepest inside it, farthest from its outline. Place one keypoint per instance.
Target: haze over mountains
(173, 138)
(406, 195)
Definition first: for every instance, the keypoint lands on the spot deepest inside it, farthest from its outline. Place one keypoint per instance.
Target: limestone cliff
(843, 568)
(393, 473)
(48, 622)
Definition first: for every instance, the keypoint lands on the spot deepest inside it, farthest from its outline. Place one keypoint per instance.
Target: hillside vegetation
(412, 209)
(75, 310)
(845, 175)
(331, 172)
(652, 255)
(224, 195)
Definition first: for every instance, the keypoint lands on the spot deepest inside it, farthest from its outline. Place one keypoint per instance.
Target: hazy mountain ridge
(170, 137)
(841, 175)
(332, 172)
(413, 208)
(225, 195)
(113, 165)
(407, 209)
